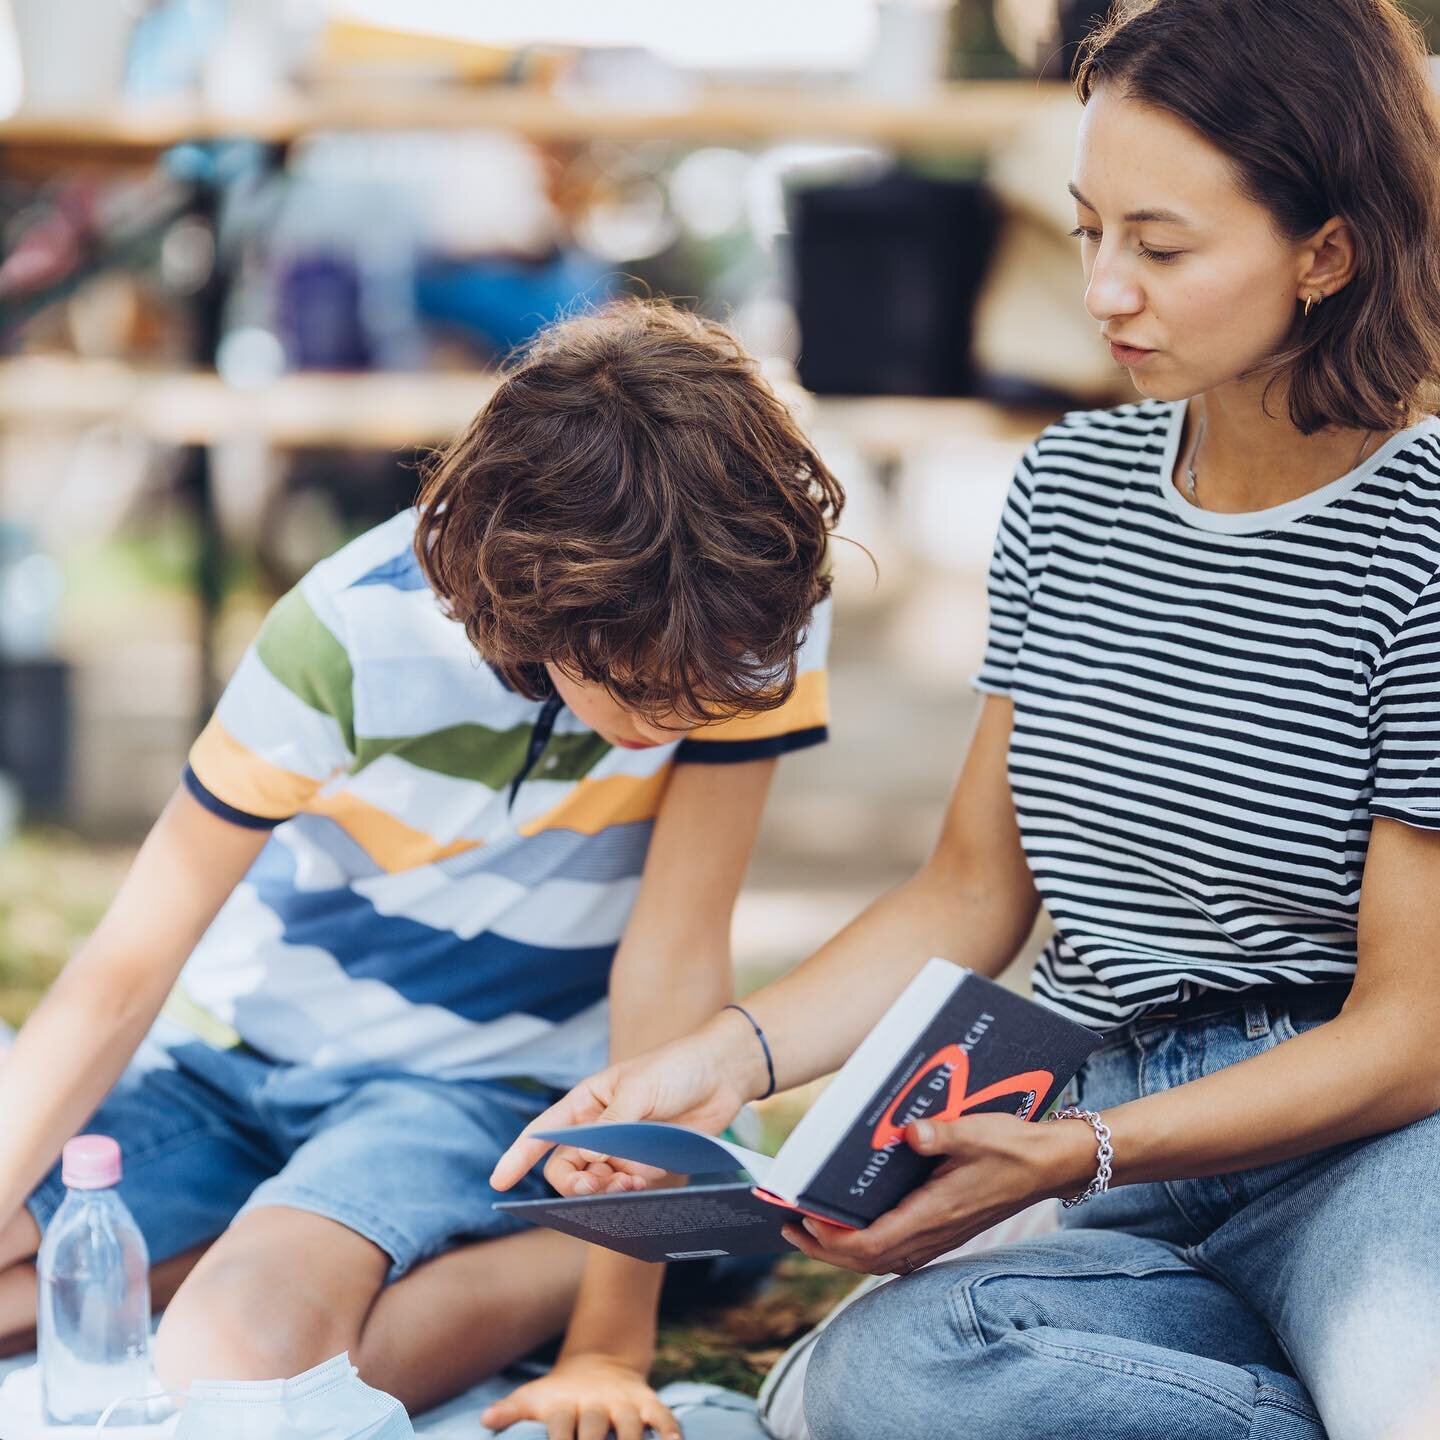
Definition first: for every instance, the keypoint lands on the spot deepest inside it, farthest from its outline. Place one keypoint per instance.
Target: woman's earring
(1311, 301)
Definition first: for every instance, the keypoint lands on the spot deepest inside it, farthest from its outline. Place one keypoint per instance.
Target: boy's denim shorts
(402, 1159)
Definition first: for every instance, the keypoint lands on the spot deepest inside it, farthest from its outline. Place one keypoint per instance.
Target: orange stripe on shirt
(595, 805)
(808, 707)
(390, 843)
(240, 778)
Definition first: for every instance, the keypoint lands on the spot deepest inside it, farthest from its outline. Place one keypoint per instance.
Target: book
(953, 1043)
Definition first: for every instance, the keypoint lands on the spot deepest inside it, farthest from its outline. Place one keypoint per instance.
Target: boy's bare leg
(19, 1239)
(283, 1290)
(17, 1294)
(459, 1318)
(17, 1310)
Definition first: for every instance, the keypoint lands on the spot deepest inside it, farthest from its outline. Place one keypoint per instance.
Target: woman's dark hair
(636, 505)
(1325, 108)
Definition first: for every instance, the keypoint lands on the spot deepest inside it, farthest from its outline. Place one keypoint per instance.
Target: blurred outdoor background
(257, 256)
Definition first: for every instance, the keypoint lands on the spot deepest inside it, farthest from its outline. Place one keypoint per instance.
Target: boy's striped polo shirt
(451, 865)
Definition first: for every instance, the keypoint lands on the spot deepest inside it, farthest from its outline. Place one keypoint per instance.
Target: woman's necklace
(1190, 481)
(1190, 462)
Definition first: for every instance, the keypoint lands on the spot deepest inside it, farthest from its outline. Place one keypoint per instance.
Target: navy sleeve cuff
(1417, 819)
(735, 752)
(216, 806)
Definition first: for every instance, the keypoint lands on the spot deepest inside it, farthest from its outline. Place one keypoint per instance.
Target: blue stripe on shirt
(484, 978)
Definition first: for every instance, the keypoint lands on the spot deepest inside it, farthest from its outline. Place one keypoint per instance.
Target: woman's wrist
(1067, 1158)
(740, 1053)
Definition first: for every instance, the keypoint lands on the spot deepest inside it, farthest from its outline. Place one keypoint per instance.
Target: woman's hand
(994, 1167)
(701, 1080)
(585, 1398)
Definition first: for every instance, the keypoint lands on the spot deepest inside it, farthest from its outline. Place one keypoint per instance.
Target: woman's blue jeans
(1298, 1301)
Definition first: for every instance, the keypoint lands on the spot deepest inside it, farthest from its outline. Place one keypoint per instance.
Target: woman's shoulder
(1404, 489)
(1416, 452)
(1104, 443)
(1140, 428)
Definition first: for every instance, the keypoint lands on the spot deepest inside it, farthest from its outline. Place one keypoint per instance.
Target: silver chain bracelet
(1104, 1153)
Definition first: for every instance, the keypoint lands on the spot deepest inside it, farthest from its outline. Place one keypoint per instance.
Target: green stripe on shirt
(299, 650)
(493, 757)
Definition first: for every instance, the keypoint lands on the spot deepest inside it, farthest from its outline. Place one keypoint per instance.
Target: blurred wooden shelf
(971, 115)
(402, 410)
(196, 407)
(886, 428)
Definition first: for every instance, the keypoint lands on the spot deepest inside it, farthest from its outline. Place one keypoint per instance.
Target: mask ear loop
(114, 1405)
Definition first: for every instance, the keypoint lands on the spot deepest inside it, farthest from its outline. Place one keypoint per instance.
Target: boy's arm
(974, 901)
(671, 973)
(87, 1028)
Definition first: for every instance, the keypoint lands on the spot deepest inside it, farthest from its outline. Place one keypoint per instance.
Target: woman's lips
(1129, 354)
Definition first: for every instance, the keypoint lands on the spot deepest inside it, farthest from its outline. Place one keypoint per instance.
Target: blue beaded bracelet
(764, 1045)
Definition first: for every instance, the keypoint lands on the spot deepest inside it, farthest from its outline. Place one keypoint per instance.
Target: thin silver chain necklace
(1190, 481)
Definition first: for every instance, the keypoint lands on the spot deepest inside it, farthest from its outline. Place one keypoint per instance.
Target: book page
(675, 1148)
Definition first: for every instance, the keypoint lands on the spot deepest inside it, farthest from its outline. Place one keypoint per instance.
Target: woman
(1214, 666)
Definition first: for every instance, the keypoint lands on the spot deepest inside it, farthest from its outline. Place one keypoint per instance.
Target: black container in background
(886, 276)
(35, 732)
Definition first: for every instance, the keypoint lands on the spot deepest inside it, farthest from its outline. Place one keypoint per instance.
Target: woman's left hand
(994, 1167)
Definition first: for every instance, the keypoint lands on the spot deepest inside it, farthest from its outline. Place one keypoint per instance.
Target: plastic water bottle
(94, 1321)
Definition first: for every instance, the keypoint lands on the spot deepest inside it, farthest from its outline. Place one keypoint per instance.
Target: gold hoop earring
(1311, 301)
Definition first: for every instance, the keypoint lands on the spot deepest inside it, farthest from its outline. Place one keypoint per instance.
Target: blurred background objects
(258, 256)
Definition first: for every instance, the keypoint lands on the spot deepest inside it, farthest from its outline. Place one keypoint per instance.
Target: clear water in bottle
(94, 1314)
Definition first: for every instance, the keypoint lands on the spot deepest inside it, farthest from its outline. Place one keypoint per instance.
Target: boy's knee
(237, 1321)
(19, 1239)
(17, 1309)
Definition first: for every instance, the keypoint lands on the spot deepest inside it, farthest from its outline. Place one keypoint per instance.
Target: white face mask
(330, 1402)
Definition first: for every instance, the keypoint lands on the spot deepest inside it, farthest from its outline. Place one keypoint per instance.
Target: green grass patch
(54, 888)
(735, 1344)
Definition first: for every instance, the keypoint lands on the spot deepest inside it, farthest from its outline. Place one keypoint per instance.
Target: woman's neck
(1250, 460)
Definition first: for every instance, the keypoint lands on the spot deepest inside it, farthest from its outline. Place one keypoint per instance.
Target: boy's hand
(585, 1398)
(697, 1081)
(586, 1172)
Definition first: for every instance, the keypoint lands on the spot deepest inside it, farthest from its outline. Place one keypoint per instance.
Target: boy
(498, 756)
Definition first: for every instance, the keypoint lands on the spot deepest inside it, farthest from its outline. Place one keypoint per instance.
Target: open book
(952, 1044)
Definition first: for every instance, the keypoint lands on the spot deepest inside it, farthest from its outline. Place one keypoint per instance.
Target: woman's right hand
(701, 1080)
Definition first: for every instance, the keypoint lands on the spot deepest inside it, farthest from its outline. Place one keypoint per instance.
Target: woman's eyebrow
(1138, 217)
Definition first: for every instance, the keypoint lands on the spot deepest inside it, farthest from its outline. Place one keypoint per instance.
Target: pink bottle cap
(90, 1162)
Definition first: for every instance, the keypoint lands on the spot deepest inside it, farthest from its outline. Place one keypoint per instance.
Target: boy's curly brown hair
(636, 506)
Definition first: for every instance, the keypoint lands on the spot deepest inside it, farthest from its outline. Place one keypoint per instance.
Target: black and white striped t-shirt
(1209, 708)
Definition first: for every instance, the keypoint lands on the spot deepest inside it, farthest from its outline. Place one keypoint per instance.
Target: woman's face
(1185, 275)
